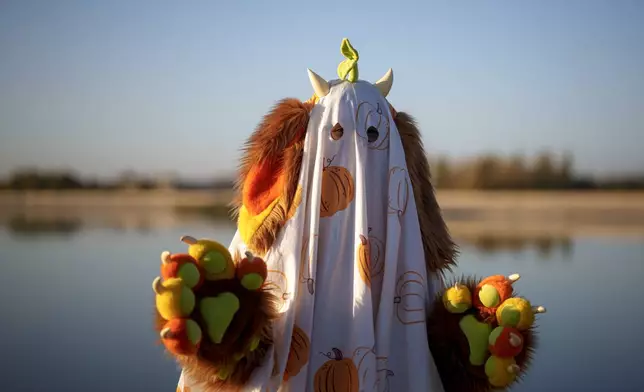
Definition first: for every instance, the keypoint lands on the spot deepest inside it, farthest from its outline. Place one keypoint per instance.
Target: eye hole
(337, 132)
(372, 134)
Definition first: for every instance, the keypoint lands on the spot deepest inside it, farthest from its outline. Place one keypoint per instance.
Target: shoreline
(447, 199)
(502, 214)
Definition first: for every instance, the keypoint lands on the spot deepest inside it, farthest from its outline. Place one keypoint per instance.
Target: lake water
(77, 308)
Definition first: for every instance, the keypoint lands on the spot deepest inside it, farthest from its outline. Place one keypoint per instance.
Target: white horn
(514, 277)
(165, 257)
(538, 309)
(385, 83)
(320, 86)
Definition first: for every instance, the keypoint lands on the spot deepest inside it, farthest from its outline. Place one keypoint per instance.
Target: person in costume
(334, 280)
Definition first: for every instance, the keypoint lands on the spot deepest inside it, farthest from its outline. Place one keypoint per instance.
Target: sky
(100, 87)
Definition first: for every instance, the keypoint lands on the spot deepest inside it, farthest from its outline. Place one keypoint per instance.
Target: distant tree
(543, 172)
(566, 171)
(441, 173)
(32, 179)
(516, 174)
(487, 172)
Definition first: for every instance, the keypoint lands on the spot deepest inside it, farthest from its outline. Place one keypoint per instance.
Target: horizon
(155, 87)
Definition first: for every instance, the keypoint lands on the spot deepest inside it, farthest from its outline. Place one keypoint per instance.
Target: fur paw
(481, 334)
(214, 312)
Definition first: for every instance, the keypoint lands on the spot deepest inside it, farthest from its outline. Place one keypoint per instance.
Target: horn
(166, 333)
(188, 240)
(157, 286)
(515, 340)
(320, 86)
(249, 255)
(385, 83)
(165, 257)
(538, 309)
(514, 369)
(514, 277)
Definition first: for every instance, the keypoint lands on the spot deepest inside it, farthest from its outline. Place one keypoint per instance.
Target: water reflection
(486, 236)
(23, 226)
(546, 246)
(107, 266)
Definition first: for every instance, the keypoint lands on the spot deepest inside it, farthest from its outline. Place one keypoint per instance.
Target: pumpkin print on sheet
(298, 355)
(338, 189)
(382, 379)
(370, 258)
(360, 355)
(338, 374)
(373, 115)
(278, 283)
(399, 190)
(305, 266)
(410, 298)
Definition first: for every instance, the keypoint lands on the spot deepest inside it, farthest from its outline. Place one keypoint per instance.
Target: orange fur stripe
(263, 185)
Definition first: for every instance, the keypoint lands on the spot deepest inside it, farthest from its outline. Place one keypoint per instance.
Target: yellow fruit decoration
(173, 298)
(457, 299)
(517, 313)
(213, 257)
(501, 372)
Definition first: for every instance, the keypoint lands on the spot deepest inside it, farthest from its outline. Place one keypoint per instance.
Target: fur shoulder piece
(440, 250)
(266, 186)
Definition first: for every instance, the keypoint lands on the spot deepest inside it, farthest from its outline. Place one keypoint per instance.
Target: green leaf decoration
(348, 68)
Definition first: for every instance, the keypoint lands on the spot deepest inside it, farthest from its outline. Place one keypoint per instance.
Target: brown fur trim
(440, 250)
(256, 313)
(267, 232)
(450, 348)
(279, 136)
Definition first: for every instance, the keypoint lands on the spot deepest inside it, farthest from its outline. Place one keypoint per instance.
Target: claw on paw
(218, 312)
(181, 336)
(173, 298)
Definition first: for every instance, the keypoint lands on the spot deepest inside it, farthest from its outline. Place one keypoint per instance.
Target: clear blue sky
(103, 86)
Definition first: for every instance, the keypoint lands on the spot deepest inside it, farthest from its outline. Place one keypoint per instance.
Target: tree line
(34, 179)
(486, 172)
(546, 171)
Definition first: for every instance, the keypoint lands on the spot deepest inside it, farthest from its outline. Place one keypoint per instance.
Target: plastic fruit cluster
(495, 330)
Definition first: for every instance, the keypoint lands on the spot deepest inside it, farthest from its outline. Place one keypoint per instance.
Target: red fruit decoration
(180, 265)
(491, 292)
(252, 272)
